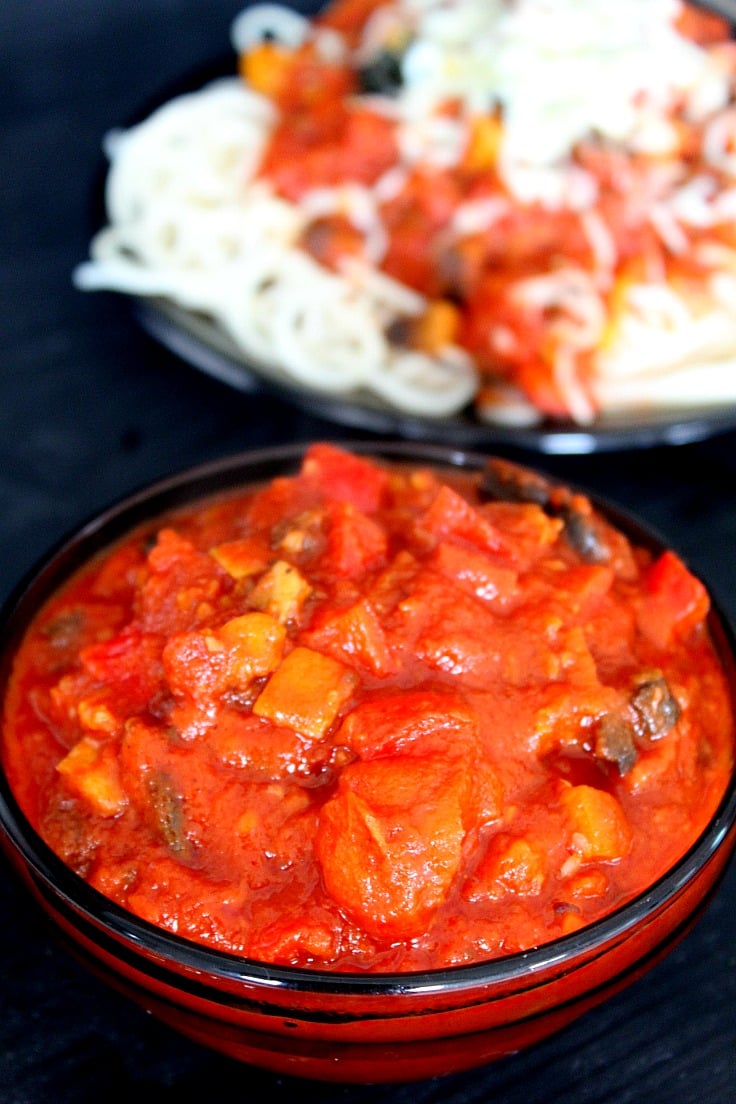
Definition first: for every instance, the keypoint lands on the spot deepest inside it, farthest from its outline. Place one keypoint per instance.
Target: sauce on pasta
(525, 207)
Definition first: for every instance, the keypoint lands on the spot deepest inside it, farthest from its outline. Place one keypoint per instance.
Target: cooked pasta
(189, 222)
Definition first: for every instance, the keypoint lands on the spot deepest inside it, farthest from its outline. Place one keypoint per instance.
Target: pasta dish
(520, 206)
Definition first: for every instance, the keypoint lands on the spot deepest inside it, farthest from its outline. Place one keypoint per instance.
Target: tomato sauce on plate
(373, 716)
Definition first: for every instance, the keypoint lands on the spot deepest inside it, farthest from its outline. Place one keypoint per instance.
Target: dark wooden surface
(90, 409)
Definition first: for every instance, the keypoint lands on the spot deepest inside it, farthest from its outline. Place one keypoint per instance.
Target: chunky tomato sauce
(366, 717)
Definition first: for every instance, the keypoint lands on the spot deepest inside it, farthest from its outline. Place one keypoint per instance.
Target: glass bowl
(349, 1027)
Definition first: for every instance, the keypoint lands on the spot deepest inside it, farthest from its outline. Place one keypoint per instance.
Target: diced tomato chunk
(449, 630)
(674, 602)
(355, 542)
(355, 636)
(451, 515)
(129, 664)
(475, 572)
(181, 587)
(417, 722)
(703, 27)
(200, 666)
(390, 842)
(346, 477)
(348, 16)
(254, 746)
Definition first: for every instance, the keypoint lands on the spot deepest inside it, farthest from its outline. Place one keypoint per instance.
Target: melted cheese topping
(560, 70)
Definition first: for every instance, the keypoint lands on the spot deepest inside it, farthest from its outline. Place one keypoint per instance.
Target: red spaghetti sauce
(366, 718)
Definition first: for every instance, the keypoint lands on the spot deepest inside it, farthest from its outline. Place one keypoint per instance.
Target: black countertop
(90, 409)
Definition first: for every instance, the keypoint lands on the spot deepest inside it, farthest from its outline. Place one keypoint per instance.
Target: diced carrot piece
(266, 68)
(599, 828)
(241, 558)
(281, 592)
(255, 644)
(436, 328)
(91, 770)
(486, 133)
(306, 692)
(674, 601)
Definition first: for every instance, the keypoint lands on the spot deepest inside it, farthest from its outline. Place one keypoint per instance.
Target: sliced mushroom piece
(614, 741)
(656, 707)
(382, 73)
(505, 481)
(586, 533)
(167, 812)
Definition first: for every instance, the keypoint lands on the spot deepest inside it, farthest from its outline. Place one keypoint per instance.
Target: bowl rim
(227, 474)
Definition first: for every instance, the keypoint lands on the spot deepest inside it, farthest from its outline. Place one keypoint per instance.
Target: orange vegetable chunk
(255, 644)
(599, 827)
(306, 692)
(510, 865)
(91, 770)
(241, 558)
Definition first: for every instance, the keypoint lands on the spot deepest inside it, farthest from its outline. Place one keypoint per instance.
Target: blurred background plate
(206, 347)
(202, 344)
